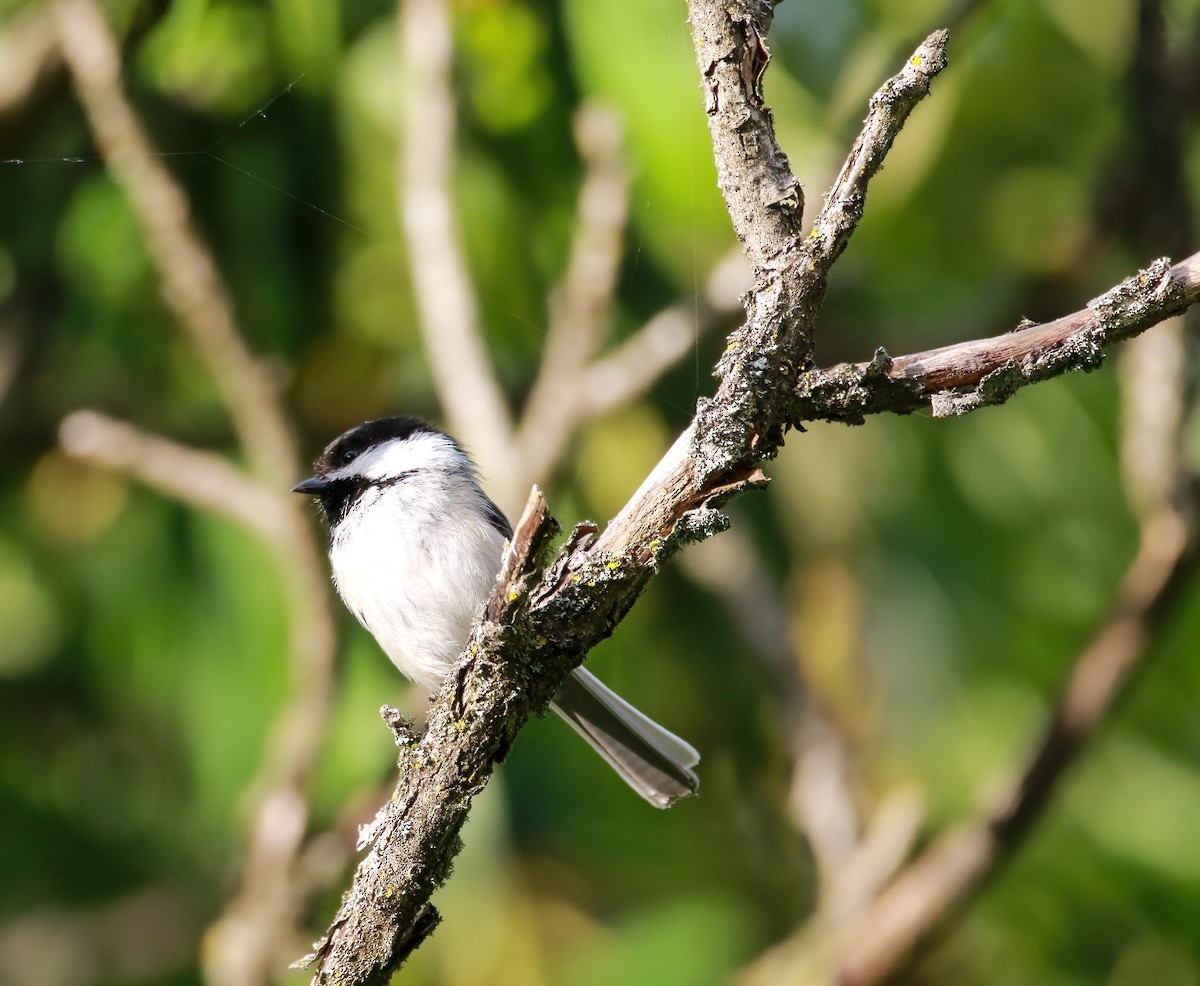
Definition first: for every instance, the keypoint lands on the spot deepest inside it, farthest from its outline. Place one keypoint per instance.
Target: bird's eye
(348, 456)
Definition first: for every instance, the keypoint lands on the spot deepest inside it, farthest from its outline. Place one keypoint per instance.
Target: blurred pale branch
(576, 382)
(191, 284)
(475, 408)
(632, 367)
(199, 479)
(826, 773)
(242, 947)
(28, 50)
(929, 892)
(580, 306)
(9, 357)
(143, 936)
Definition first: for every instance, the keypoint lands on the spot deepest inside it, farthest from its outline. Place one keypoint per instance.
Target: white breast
(415, 569)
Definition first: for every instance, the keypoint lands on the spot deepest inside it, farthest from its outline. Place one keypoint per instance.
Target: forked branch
(537, 631)
(545, 616)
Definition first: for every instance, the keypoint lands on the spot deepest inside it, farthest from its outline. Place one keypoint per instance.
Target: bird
(415, 544)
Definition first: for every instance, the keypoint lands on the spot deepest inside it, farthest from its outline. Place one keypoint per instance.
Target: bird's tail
(654, 762)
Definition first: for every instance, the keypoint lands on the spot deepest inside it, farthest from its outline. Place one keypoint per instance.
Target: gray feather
(653, 761)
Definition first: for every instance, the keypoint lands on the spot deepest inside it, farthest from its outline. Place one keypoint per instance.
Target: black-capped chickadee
(415, 545)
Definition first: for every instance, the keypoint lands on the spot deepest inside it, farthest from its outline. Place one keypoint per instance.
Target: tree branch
(471, 726)
(581, 305)
(514, 664)
(449, 316)
(917, 904)
(632, 367)
(28, 51)
(191, 284)
(889, 110)
(242, 945)
(965, 376)
(203, 480)
(542, 619)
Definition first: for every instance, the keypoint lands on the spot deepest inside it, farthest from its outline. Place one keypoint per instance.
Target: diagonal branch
(537, 628)
(581, 305)
(28, 51)
(968, 375)
(191, 284)
(199, 479)
(470, 727)
(922, 899)
(513, 666)
(889, 111)
(241, 946)
(449, 315)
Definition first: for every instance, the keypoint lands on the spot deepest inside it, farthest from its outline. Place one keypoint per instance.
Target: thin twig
(191, 284)
(449, 317)
(914, 906)
(890, 108)
(199, 479)
(581, 305)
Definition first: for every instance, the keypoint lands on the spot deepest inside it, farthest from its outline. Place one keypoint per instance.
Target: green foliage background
(142, 646)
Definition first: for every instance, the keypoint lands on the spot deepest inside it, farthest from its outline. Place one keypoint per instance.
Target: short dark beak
(312, 486)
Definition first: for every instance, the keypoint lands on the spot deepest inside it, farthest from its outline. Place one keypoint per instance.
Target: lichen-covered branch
(890, 107)
(537, 631)
(546, 615)
(754, 404)
(470, 727)
(965, 376)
